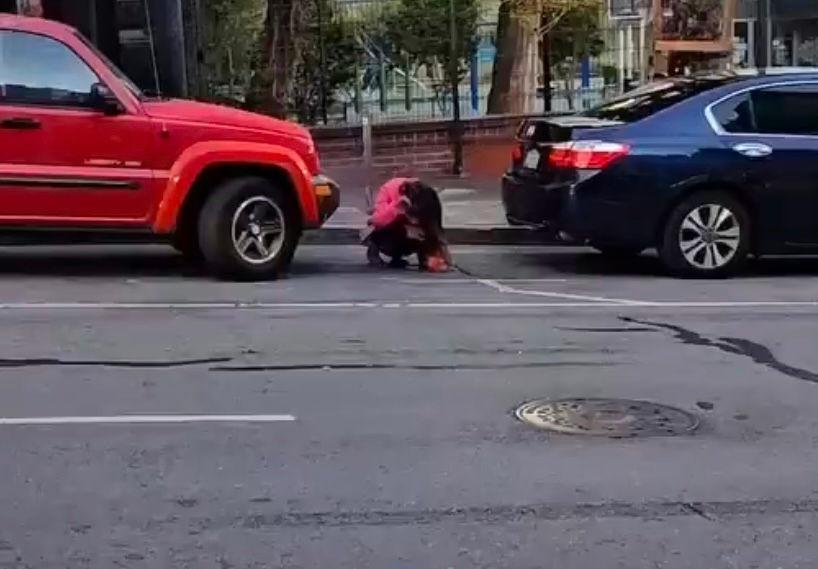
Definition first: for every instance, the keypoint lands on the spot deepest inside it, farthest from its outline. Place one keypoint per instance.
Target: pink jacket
(388, 208)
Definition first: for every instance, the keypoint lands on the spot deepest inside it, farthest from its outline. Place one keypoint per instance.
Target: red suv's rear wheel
(248, 230)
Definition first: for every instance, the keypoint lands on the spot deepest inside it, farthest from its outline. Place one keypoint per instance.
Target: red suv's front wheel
(248, 230)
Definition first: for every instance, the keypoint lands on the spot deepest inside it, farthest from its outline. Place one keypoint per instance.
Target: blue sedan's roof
(779, 77)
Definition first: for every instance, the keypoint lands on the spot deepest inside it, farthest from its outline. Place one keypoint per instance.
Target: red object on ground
(437, 264)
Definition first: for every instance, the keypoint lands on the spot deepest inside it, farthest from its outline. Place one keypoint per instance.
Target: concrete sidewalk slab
(472, 215)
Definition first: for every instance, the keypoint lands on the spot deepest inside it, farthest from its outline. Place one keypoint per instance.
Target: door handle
(20, 123)
(753, 149)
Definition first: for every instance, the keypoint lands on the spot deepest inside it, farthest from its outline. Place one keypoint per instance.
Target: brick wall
(418, 148)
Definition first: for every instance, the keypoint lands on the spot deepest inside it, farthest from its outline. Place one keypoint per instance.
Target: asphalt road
(365, 418)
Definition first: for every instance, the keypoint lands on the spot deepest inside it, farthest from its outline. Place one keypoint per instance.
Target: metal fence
(392, 60)
(388, 59)
(402, 70)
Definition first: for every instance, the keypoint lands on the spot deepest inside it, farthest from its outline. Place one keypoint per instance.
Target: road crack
(501, 514)
(758, 353)
(56, 362)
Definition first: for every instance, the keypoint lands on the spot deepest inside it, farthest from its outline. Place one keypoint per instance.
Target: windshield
(131, 86)
(653, 97)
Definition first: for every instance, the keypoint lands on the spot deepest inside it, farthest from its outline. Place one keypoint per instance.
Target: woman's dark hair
(426, 206)
(427, 209)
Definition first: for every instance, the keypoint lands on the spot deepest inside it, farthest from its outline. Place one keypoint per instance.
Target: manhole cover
(618, 418)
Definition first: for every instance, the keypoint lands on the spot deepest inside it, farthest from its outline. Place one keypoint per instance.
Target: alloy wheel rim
(710, 236)
(258, 230)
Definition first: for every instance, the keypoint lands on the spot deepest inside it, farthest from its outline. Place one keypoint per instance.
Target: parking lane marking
(506, 289)
(182, 305)
(609, 304)
(145, 419)
(581, 302)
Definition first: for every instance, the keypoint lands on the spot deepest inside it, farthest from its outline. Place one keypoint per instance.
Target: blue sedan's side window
(735, 115)
(788, 109)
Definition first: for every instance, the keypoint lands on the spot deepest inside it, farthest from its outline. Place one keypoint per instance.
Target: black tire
(617, 252)
(187, 243)
(679, 263)
(216, 225)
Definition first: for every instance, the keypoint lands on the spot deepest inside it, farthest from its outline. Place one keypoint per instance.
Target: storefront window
(744, 43)
(795, 43)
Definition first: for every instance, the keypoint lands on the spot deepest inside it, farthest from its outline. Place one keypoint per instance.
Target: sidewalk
(472, 212)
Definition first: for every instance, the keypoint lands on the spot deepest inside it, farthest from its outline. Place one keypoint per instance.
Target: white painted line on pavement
(510, 305)
(726, 304)
(647, 304)
(506, 289)
(581, 302)
(181, 305)
(145, 419)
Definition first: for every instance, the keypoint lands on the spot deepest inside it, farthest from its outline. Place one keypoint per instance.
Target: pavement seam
(710, 511)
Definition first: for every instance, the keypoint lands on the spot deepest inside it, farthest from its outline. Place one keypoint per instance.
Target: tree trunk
(272, 84)
(514, 80)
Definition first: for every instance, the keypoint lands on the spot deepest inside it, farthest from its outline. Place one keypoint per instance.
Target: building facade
(156, 42)
(776, 33)
(756, 33)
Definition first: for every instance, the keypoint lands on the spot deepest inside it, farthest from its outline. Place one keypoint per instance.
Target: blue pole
(586, 72)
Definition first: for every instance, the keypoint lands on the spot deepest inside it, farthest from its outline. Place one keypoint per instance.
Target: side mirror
(104, 100)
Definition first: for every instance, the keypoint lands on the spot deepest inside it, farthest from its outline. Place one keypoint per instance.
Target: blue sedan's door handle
(753, 149)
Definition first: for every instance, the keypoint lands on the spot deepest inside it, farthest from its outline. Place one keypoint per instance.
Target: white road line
(581, 302)
(619, 305)
(509, 305)
(506, 289)
(181, 305)
(145, 419)
(728, 304)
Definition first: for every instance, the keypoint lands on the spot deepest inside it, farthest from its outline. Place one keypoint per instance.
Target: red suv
(82, 149)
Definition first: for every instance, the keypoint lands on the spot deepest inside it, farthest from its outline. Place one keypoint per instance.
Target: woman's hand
(415, 233)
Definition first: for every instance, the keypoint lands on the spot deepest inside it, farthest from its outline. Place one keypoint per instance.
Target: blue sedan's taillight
(586, 154)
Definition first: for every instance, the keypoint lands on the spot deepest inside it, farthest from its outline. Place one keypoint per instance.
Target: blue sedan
(706, 169)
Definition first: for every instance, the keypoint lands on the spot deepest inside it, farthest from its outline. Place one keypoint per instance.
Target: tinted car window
(786, 110)
(736, 114)
(36, 70)
(654, 97)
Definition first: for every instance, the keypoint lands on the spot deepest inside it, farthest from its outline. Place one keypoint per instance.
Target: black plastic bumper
(572, 209)
(530, 204)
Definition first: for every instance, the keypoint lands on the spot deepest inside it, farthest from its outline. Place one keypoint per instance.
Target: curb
(455, 236)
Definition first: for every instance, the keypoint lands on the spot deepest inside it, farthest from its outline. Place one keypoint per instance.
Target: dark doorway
(8, 6)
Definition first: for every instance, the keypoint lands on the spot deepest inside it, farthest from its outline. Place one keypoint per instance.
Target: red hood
(203, 113)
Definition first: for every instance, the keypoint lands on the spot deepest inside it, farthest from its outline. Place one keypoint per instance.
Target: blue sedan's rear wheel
(707, 235)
